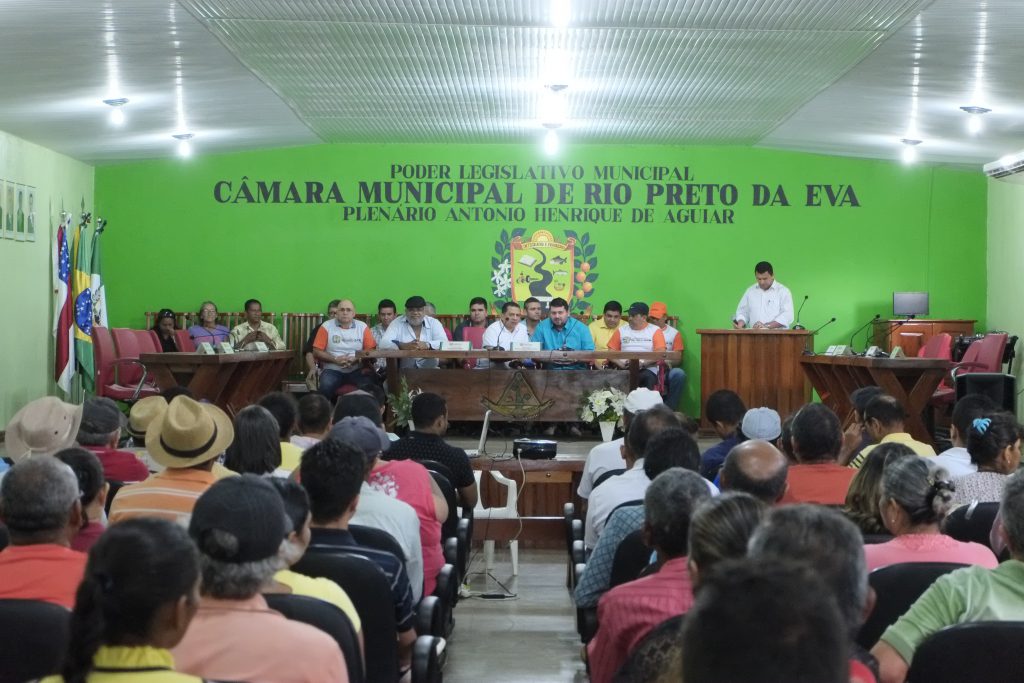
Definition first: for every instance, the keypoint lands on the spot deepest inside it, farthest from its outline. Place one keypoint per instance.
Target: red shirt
(628, 612)
(120, 465)
(42, 571)
(89, 534)
(823, 483)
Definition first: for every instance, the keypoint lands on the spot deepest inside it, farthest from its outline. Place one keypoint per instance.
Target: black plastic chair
(897, 587)
(35, 638)
(427, 654)
(972, 522)
(605, 476)
(447, 592)
(627, 504)
(631, 558)
(377, 539)
(987, 651)
(439, 467)
(463, 531)
(430, 620)
(328, 619)
(586, 617)
(370, 591)
(115, 486)
(449, 527)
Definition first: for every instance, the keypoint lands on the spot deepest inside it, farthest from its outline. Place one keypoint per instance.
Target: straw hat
(42, 427)
(188, 433)
(142, 415)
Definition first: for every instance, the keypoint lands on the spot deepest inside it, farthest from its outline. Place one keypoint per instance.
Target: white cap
(761, 423)
(641, 399)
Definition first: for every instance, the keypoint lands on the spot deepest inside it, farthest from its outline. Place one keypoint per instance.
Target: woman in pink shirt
(915, 499)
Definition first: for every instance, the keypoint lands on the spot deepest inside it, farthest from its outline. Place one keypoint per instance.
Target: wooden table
(545, 488)
(541, 395)
(230, 381)
(911, 381)
(762, 366)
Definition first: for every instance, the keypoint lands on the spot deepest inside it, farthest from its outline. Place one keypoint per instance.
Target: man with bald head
(758, 468)
(335, 347)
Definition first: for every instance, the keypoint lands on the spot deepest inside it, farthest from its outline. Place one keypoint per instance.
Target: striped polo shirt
(170, 495)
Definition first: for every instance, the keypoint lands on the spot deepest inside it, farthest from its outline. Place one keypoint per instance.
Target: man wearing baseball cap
(644, 336)
(186, 439)
(414, 331)
(608, 456)
(239, 526)
(100, 433)
(673, 342)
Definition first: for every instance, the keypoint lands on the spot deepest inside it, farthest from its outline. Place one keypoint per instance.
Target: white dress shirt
(497, 335)
(774, 304)
(400, 331)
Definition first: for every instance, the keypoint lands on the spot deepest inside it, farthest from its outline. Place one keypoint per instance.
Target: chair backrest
(897, 587)
(426, 660)
(377, 538)
(104, 355)
(329, 619)
(448, 529)
(370, 592)
(35, 638)
(630, 559)
(627, 504)
(295, 330)
(606, 475)
(984, 355)
(971, 522)
(114, 487)
(940, 346)
(184, 341)
(128, 347)
(987, 651)
(149, 341)
(474, 335)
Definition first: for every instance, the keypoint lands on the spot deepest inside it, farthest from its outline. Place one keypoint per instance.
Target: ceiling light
(974, 122)
(554, 108)
(116, 112)
(909, 150)
(551, 142)
(184, 144)
(559, 13)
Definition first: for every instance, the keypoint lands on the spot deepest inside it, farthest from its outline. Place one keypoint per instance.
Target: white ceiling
(830, 76)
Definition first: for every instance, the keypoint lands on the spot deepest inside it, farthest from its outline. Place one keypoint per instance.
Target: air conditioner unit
(1009, 165)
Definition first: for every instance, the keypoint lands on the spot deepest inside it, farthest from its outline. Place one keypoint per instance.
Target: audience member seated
(628, 612)
(254, 329)
(503, 333)
(602, 329)
(781, 621)
(758, 468)
(135, 602)
(561, 332)
(631, 484)
(425, 442)
(332, 473)
(720, 530)
(256, 448)
(286, 412)
(533, 313)
(186, 439)
(786, 439)
(883, 419)
(296, 508)
(405, 481)
(335, 347)
(239, 526)
(414, 331)
(667, 448)
(100, 432)
(143, 413)
(312, 368)
(40, 506)
(89, 473)
(673, 342)
(817, 478)
(970, 594)
(208, 331)
(915, 500)
(607, 455)
(477, 317)
(43, 427)
(956, 460)
(862, 498)
(314, 422)
(164, 326)
(724, 410)
(387, 310)
(763, 424)
(994, 445)
(856, 436)
(831, 546)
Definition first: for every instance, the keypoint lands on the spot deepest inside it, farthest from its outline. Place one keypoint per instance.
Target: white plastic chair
(508, 511)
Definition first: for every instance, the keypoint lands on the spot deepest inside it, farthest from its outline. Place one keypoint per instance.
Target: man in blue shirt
(562, 332)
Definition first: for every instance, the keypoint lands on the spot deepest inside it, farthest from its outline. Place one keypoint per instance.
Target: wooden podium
(762, 366)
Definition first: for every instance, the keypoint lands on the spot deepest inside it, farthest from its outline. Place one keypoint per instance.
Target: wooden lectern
(762, 366)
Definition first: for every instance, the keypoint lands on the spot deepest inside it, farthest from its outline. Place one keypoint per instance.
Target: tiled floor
(531, 639)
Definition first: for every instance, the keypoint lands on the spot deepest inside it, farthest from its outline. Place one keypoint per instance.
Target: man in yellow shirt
(254, 329)
(883, 419)
(604, 327)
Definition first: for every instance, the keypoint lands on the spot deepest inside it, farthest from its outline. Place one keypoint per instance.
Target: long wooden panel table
(912, 381)
(230, 381)
(542, 395)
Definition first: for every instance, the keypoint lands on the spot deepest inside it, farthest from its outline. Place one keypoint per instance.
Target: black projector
(534, 449)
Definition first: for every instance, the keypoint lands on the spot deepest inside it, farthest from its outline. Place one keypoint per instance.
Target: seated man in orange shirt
(817, 439)
(641, 334)
(673, 342)
(42, 511)
(335, 347)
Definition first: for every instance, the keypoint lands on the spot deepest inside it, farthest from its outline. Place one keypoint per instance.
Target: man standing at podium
(767, 304)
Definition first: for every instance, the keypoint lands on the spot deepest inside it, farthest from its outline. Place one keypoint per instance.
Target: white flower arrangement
(502, 279)
(603, 405)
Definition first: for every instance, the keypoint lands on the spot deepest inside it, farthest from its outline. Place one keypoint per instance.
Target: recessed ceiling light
(116, 113)
(559, 13)
(975, 110)
(184, 144)
(910, 141)
(551, 142)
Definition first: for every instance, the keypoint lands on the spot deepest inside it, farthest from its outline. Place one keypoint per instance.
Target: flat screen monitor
(909, 303)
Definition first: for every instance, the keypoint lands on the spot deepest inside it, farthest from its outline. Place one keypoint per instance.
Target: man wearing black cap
(239, 526)
(414, 331)
(100, 432)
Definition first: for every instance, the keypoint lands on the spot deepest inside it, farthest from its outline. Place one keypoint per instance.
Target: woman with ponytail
(139, 593)
(89, 472)
(915, 499)
(994, 445)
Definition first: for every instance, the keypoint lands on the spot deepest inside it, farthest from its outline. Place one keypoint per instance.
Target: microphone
(798, 326)
(807, 343)
(857, 331)
(823, 325)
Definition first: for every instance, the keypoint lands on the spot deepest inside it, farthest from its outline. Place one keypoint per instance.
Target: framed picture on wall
(30, 215)
(19, 212)
(9, 210)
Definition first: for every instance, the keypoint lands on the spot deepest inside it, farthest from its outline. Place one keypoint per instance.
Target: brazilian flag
(82, 295)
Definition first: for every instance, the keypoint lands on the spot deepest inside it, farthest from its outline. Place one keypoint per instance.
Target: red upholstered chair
(939, 346)
(475, 337)
(149, 340)
(983, 355)
(184, 341)
(119, 373)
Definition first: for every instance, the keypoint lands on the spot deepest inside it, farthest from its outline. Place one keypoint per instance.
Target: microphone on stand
(810, 337)
(857, 331)
(897, 325)
(798, 326)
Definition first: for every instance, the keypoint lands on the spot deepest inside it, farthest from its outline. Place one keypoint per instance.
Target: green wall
(171, 243)
(1005, 251)
(26, 279)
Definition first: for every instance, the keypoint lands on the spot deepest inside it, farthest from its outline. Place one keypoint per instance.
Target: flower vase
(607, 429)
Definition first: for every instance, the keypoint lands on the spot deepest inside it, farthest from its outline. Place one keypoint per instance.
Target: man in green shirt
(970, 594)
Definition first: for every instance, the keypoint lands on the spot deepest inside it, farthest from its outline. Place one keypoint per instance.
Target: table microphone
(823, 325)
(857, 331)
(798, 326)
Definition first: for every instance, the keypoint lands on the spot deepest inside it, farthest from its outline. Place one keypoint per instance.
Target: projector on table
(534, 449)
